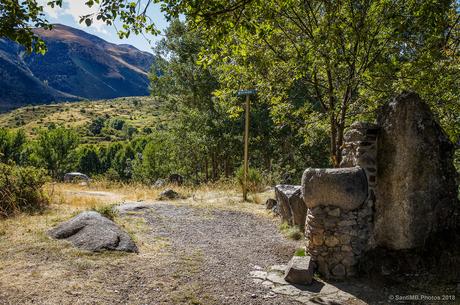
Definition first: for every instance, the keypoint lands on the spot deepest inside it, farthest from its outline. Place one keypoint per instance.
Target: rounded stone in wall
(345, 188)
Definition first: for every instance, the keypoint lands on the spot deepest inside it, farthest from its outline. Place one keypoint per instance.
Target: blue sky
(71, 11)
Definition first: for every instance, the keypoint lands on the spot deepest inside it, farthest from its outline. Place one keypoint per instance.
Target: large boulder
(416, 192)
(290, 204)
(345, 188)
(93, 232)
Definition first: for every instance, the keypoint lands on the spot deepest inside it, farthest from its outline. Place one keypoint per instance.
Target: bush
(21, 190)
(254, 179)
(106, 211)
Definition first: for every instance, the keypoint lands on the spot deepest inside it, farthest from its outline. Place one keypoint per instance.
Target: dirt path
(190, 253)
(214, 251)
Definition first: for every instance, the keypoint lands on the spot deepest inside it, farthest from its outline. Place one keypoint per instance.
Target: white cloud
(75, 9)
(53, 12)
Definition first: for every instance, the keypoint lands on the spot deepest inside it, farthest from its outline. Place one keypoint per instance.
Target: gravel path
(189, 254)
(224, 247)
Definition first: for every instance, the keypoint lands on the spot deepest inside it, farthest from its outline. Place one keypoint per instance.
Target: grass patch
(300, 252)
(291, 232)
(106, 211)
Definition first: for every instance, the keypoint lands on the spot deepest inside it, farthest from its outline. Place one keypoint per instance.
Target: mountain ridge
(78, 65)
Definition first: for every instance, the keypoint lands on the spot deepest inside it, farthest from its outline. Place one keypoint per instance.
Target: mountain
(77, 65)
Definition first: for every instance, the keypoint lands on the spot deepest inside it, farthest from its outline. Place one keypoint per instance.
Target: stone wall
(340, 205)
(410, 195)
(360, 149)
(334, 240)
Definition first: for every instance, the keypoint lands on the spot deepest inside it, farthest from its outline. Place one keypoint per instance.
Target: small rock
(253, 296)
(270, 203)
(268, 284)
(334, 212)
(168, 194)
(332, 241)
(269, 295)
(345, 223)
(300, 270)
(345, 239)
(159, 183)
(317, 239)
(338, 271)
(132, 207)
(257, 281)
(349, 260)
(346, 248)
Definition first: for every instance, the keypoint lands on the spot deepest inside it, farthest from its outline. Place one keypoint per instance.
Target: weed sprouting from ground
(300, 252)
(291, 232)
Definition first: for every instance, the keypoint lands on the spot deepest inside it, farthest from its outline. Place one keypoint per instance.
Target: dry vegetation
(36, 269)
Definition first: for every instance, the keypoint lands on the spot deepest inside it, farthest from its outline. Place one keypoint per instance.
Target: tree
(54, 150)
(346, 55)
(88, 161)
(11, 145)
(96, 125)
(17, 18)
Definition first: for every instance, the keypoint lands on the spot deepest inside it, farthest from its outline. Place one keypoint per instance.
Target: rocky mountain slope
(77, 65)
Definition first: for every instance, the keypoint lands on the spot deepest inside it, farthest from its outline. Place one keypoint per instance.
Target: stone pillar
(340, 205)
(360, 149)
(334, 237)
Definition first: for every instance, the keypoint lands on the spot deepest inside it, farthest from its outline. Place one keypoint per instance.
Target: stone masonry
(339, 231)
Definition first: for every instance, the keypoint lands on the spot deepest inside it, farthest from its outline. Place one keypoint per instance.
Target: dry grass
(102, 193)
(47, 269)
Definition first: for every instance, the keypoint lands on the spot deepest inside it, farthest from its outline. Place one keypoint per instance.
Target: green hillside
(138, 112)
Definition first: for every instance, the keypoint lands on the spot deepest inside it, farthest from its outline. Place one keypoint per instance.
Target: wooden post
(246, 150)
(246, 93)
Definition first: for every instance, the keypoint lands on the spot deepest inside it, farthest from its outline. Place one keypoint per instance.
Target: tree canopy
(318, 64)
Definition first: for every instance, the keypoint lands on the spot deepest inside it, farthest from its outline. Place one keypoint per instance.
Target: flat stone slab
(93, 232)
(280, 268)
(132, 207)
(276, 278)
(258, 274)
(318, 292)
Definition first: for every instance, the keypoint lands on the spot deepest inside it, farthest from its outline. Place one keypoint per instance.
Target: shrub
(254, 179)
(117, 124)
(106, 211)
(21, 190)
